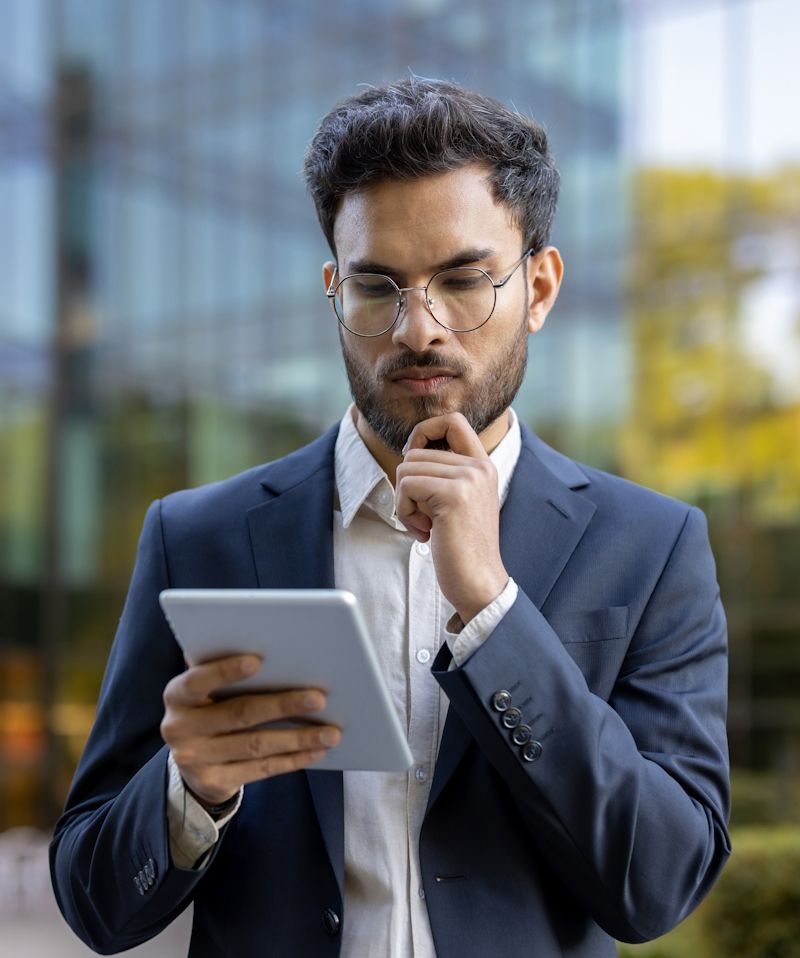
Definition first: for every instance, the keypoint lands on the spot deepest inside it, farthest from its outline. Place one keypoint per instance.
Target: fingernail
(250, 665)
(312, 701)
(329, 737)
(317, 754)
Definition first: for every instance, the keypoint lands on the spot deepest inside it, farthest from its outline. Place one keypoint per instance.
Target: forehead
(422, 222)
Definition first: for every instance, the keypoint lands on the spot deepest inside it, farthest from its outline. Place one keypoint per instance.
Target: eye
(461, 280)
(373, 287)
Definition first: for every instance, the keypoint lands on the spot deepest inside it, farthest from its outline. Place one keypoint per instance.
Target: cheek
(360, 352)
(479, 350)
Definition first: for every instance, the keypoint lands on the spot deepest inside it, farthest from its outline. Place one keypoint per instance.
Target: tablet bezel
(328, 647)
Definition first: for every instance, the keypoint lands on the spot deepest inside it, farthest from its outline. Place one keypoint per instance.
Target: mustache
(408, 360)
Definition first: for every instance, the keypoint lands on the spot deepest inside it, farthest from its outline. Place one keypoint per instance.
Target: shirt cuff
(464, 640)
(192, 831)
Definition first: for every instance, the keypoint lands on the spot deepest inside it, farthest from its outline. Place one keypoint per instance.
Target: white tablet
(307, 638)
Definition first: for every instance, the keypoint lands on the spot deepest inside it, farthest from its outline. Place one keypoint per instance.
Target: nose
(416, 327)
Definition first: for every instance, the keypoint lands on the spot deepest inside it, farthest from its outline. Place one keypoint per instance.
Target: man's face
(409, 230)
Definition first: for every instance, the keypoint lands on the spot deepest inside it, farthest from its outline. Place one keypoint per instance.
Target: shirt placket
(423, 715)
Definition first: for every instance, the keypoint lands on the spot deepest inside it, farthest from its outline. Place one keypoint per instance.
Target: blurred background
(163, 324)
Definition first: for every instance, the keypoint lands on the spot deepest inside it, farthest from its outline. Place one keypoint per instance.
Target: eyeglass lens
(460, 299)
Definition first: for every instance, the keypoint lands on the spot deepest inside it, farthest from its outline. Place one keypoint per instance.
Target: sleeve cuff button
(521, 735)
(501, 701)
(511, 717)
(531, 751)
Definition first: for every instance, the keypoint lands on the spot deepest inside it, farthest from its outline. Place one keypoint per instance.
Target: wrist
(481, 599)
(214, 809)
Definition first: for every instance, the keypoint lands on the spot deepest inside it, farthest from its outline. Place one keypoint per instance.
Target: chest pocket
(596, 641)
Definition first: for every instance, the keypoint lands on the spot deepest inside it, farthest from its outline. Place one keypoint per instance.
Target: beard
(484, 400)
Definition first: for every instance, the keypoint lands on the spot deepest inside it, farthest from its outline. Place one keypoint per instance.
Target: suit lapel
(291, 534)
(541, 523)
(292, 540)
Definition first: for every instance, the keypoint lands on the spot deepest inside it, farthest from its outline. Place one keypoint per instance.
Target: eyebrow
(464, 258)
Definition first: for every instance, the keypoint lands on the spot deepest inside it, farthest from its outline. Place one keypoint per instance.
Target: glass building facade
(163, 323)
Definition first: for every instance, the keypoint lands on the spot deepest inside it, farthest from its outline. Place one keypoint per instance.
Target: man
(552, 635)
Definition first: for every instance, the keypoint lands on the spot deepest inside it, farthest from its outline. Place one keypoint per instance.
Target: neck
(389, 461)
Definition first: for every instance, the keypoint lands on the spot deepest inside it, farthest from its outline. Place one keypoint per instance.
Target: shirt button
(423, 656)
(384, 496)
(330, 921)
(422, 893)
(423, 548)
(420, 774)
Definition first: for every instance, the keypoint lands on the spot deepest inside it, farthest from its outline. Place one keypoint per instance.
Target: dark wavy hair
(416, 127)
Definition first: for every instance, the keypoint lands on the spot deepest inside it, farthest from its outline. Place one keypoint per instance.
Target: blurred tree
(715, 417)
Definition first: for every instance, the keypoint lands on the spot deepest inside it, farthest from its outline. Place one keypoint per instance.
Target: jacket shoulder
(618, 501)
(252, 486)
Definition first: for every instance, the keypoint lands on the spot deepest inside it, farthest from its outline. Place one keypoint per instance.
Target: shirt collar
(357, 472)
(360, 480)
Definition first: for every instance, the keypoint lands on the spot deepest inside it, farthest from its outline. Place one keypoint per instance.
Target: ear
(545, 270)
(327, 273)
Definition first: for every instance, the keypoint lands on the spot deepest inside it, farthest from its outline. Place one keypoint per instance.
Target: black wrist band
(215, 811)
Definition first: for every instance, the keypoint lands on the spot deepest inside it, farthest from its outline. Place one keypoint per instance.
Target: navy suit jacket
(615, 650)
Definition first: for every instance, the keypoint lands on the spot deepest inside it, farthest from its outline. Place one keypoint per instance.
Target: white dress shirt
(394, 580)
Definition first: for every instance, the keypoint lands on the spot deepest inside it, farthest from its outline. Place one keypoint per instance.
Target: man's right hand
(215, 744)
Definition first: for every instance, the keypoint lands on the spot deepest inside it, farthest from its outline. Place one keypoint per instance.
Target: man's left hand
(451, 498)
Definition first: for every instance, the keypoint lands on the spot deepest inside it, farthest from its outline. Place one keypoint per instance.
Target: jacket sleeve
(110, 861)
(626, 799)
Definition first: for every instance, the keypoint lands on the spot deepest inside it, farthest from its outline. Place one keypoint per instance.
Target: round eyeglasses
(460, 299)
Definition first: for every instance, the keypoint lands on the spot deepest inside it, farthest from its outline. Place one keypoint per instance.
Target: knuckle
(167, 728)
(181, 755)
(269, 766)
(172, 728)
(291, 703)
(171, 690)
(239, 712)
(464, 494)
(191, 680)
(229, 670)
(252, 745)
(302, 759)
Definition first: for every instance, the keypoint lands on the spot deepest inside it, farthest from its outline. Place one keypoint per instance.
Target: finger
(444, 456)
(181, 724)
(419, 500)
(407, 508)
(245, 711)
(453, 427)
(422, 466)
(258, 769)
(425, 494)
(255, 744)
(227, 779)
(195, 685)
(416, 526)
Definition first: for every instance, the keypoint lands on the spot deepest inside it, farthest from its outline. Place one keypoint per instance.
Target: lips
(414, 382)
(429, 372)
